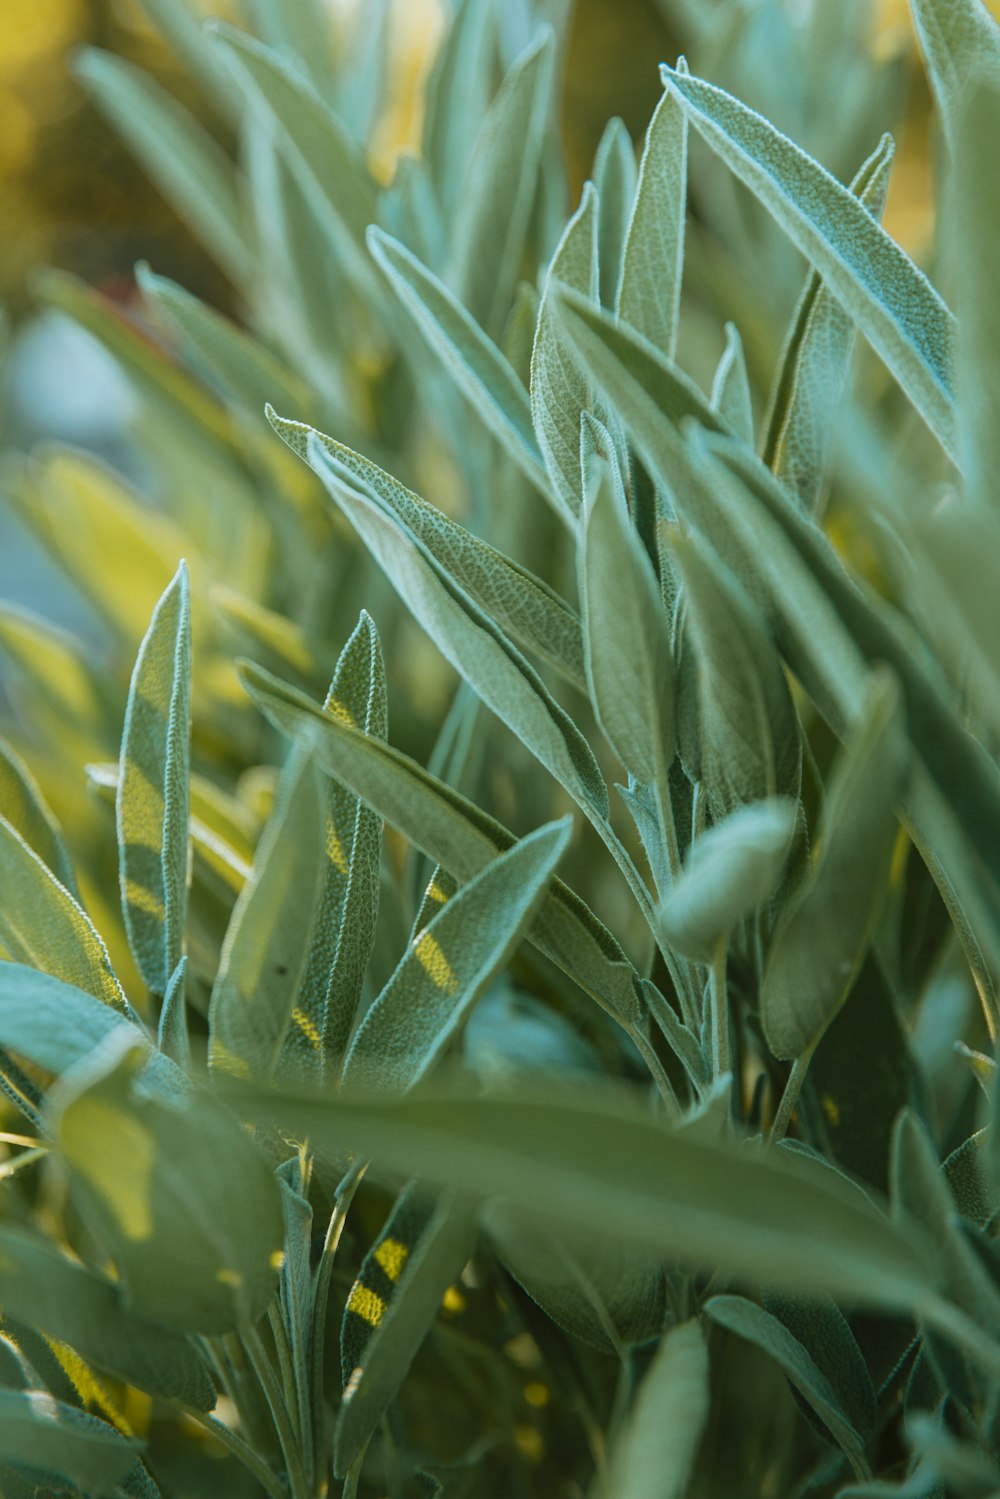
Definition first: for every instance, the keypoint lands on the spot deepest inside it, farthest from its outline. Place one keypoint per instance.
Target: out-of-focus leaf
(649, 294)
(184, 1203)
(499, 186)
(815, 362)
(453, 832)
(975, 223)
(731, 388)
(51, 1022)
(960, 40)
(456, 98)
(559, 392)
(525, 607)
(178, 153)
(172, 1035)
(614, 177)
(267, 943)
(153, 797)
(23, 808)
(822, 939)
(655, 1453)
(731, 870)
(57, 1445)
(892, 302)
(450, 963)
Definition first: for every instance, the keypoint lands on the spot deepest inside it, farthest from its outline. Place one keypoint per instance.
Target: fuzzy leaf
(172, 1035)
(892, 302)
(183, 1202)
(499, 186)
(57, 1445)
(614, 176)
(23, 807)
(731, 388)
(267, 942)
(449, 964)
(177, 152)
(649, 294)
(959, 40)
(655, 1453)
(559, 392)
(452, 832)
(626, 631)
(457, 98)
(976, 224)
(51, 1022)
(152, 799)
(731, 870)
(470, 357)
(822, 940)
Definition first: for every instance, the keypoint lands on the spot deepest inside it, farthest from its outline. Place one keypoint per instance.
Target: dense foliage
(555, 1059)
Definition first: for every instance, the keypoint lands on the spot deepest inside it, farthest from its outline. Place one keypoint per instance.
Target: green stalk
(287, 1436)
(324, 1269)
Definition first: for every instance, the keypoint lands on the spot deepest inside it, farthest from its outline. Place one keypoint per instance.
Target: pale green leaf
(23, 807)
(456, 98)
(449, 964)
(731, 871)
(471, 358)
(498, 189)
(825, 932)
(815, 362)
(975, 231)
(345, 927)
(892, 302)
(54, 1024)
(731, 388)
(153, 796)
(178, 153)
(266, 948)
(655, 1453)
(614, 176)
(649, 294)
(559, 392)
(172, 1035)
(183, 1202)
(453, 832)
(959, 39)
(270, 636)
(181, 28)
(626, 630)
(57, 1445)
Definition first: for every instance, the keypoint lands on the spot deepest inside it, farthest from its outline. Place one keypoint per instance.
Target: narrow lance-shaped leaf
(731, 388)
(655, 1452)
(499, 187)
(974, 224)
(815, 362)
(822, 940)
(649, 295)
(178, 153)
(453, 832)
(475, 646)
(892, 302)
(345, 923)
(470, 357)
(181, 1199)
(456, 98)
(614, 177)
(626, 631)
(267, 942)
(152, 800)
(450, 963)
(559, 391)
(23, 807)
(959, 40)
(532, 613)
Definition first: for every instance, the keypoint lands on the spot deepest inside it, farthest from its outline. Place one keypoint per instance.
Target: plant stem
(335, 1229)
(240, 1449)
(790, 1096)
(287, 1436)
(719, 1000)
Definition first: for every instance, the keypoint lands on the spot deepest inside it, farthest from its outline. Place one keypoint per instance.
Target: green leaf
(494, 206)
(450, 963)
(319, 150)
(649, 294)
(626, 631)
(655, 1453)
(423, 1272)
(453, 832)
(559, 393)
(152, 799)
(470, 357)
(182, 30)
(731, 870)
(614, 177)
(892, 302)
(824, 934)
(975, 223)
(181, 1199)
(823, 1331)
(959, 40)
(56, 1295)
(456, 99)
(476, 647)
(750, 738)
(172, 1035)
(244, 371)
(179, 154)
(23, 807)
(267, 942)
(56, 1444)
(345, 928)
(755, 1212)
(815, 363)
(271, 636)
(731, 388)
(758, 1327)
(52, 1022)
(43, 925)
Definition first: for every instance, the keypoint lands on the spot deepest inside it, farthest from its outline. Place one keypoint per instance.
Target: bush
(674, 1178)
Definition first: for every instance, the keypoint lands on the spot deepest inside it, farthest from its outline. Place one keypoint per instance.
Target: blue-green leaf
(649, 295)
(655, 1453)
(731, 388)
(56, 1445)
(614, 177)
(959, 39)
(975, 229)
